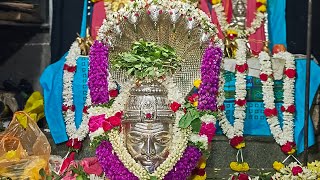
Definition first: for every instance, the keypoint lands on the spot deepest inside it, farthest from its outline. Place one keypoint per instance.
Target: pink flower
(91, 166)
(208, 129)
(296, 170)
(95, 122)
(175, 106)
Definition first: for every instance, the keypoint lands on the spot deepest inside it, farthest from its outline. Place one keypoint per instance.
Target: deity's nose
(149, 148)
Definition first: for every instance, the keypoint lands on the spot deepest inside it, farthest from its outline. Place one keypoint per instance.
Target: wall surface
(24, 53)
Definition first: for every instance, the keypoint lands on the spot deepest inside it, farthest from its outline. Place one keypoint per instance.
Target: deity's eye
(162, 138)
(135, 137)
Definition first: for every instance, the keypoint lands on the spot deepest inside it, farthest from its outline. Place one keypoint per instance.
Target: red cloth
(259, 35)
(98, 15)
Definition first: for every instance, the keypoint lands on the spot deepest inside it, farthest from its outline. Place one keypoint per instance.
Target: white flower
(98, 132)
(202, 140)
(208, 119)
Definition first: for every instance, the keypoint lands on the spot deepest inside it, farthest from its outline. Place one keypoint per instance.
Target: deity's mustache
(145, 158)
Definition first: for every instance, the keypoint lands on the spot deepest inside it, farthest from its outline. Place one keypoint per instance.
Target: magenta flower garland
(98, 73)
(115, 170)
(210, 67)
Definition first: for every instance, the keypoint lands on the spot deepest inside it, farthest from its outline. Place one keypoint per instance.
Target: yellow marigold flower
(202, 164)
(95, 1)
(262, 8)
(197, 83)
(239, 167)
(11, 155)
(277, 165)
(232, 31)
(197, 177)
(262, 1)
(215, 2)
(241, 145)
(244, 167)
(195, 104)
(292, 151)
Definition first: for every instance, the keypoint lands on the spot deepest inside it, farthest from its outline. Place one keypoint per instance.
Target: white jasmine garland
(134, 9)
(240, 93)
(208, 119)
(285, 134)
(67, 96)
(222, 19)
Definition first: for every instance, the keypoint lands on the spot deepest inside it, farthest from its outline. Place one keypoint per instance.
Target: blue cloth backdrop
(277, 22)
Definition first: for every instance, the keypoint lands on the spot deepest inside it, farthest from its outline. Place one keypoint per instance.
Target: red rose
(148, 115)
(114, 121)
(263, 77)
(85, 109)
(65, 108)
(258, 4)
(291, 73)
(119, 114)
(286, 148)
(190, 99)
(274, 111)
(113, 93)
(69, 68)
(236, 141)
(195, 96)
(296, 170)
(243, 176)
(291, 109)
(74, 144)
(222, 107)
(241, 102)
(270, 112)
(283, 109)
(201, 172)
(175, 106)
(106, 125)
(242, 68)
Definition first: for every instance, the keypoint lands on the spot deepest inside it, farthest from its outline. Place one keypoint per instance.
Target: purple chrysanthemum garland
(115, 169)
(210, 68)
(187, 163)
(98, 73)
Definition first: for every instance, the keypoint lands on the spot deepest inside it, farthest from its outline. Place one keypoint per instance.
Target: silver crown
(148, 102)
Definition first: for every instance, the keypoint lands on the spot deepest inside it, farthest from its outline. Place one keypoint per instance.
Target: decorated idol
(151, 116)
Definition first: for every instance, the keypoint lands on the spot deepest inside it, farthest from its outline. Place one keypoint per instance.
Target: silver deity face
(148, 143)
(147, 124)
